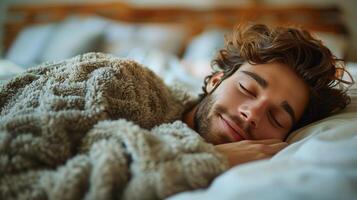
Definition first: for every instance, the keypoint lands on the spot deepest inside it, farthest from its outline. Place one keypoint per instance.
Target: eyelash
(272, 119)
(246, 90)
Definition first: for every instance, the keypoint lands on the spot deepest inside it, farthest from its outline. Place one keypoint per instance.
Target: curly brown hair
(295, 47)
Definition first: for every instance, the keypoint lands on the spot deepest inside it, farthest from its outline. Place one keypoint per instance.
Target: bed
(178, 43)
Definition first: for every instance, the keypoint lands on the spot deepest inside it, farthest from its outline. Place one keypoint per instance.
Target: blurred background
(176, 38)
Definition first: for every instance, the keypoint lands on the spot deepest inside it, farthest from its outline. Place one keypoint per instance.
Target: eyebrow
(264, 84)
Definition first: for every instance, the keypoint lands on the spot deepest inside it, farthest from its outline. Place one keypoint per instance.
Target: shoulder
(123, 68)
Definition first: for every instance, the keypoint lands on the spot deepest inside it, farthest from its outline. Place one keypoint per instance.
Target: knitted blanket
(98, 127)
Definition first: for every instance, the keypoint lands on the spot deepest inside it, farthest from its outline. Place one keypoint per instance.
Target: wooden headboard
(325, 19)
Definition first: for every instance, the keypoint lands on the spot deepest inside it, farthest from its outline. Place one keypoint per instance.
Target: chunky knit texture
(98, 127)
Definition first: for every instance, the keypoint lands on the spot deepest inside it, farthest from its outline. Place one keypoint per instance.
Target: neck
(189, 116)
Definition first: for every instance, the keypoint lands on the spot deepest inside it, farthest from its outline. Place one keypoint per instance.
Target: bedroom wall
(348, 7)
(350, 16)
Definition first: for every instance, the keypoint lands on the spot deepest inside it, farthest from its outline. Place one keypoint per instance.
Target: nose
(252, 112)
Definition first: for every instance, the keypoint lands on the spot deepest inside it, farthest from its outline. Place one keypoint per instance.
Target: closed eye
(273, 120)
(246, 90)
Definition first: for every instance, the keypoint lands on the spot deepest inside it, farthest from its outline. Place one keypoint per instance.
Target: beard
(204, 119)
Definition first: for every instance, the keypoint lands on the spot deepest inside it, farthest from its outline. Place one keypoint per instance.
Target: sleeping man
(269, 82)
(100, 127)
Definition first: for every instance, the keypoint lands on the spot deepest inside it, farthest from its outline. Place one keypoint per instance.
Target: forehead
(273, 72)
(283, 84)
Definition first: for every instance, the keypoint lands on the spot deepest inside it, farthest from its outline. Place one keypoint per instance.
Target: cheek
(230, 96)
(215, 134)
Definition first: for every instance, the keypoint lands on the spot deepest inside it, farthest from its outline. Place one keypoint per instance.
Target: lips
(233, 129)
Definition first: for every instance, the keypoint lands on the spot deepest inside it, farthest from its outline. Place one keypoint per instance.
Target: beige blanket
(98, 127)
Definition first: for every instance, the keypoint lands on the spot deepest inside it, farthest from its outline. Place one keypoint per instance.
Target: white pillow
(121, 37)
(201, 50)
(205, 45)
(75, 35)
(168, 38)
(29, 44)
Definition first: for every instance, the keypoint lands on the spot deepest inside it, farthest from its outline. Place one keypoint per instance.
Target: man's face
(257, 102)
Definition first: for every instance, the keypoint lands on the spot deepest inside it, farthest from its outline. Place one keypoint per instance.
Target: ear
(214, 81)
